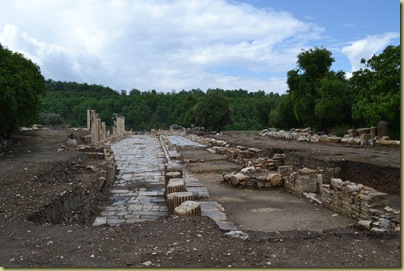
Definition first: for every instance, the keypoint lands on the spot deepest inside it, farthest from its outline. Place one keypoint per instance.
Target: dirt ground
(33, 174)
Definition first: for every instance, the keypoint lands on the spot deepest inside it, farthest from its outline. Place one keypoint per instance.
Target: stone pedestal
(175, 199)
(189, 208)
(373, 132)
(175, 185)
(88, 119)
(171, 175)
(382, 128)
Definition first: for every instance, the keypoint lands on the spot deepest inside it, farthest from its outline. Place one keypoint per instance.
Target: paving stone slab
(138, 193)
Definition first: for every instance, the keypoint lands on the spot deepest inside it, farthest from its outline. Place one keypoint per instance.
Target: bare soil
(34, 175)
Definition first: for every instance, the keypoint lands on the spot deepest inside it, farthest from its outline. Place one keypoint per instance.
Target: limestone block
(248, 170)
(350, 140)
(274, 178)
(307, 171)
(315, 138)
(334, 139)
(376, 199)
(364, 225)
(364, 139)
(337, 183)
(305, 184)
(237, 178)
(188, 208)
(349, 189)
(388, 142)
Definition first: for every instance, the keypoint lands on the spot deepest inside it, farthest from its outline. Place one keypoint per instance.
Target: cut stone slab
(101, 220)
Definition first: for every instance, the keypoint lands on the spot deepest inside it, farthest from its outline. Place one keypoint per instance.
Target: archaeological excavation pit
(308, 205)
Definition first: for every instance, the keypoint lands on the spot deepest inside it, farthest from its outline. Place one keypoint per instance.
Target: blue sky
(184, 44)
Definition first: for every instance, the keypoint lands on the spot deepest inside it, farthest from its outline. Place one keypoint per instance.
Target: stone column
(94, 130)
(88, 119)
(120, 126)
(382, 128)
(98, 129)
(373, 132)
(103, 131)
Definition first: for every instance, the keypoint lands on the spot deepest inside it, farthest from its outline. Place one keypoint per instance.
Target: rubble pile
(246, 157)
(361, 136)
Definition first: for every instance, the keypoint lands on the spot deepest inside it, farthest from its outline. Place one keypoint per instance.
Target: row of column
(98, 128)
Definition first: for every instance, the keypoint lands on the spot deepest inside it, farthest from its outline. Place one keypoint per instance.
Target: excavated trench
(76, 194)
(382, 178)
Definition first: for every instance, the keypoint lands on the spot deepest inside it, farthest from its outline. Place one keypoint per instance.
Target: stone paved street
(138, 193)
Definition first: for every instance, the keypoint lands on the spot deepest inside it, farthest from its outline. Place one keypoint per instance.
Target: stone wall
(319, 185)
(353, 200)
(361, 136)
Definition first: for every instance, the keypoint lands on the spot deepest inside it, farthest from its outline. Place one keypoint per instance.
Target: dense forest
(145, 110)
(317, 97)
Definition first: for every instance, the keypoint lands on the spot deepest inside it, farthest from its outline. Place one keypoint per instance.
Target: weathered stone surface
(175, 199)
(385, 224)
(307, 171)
(364, 139)
(274, 178)
(364, 224)
(237, 178)
(175, 185)
(350, 140)
(337, 183)
(248, 170)
(171, 175)
(237, 234)
(188, 208)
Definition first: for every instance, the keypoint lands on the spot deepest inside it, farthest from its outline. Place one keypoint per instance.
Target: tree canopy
(21, 85)
(376, 89)
(212, 112)
(320, 97)
(317, 97)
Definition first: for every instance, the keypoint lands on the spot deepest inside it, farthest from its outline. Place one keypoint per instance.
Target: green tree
(334, 102)
(376, 89)
(320, 97)
(213, 111)
(21, 85)
(282, 116)
(313, 64)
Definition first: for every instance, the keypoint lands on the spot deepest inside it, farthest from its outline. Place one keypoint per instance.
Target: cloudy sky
(183, 44)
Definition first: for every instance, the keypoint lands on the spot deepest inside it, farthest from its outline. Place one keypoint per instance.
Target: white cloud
(367, 47)
(155, 44)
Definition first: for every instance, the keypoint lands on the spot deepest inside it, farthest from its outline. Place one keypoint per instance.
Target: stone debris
(364, 224)
(360, 136)
(237, 234)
